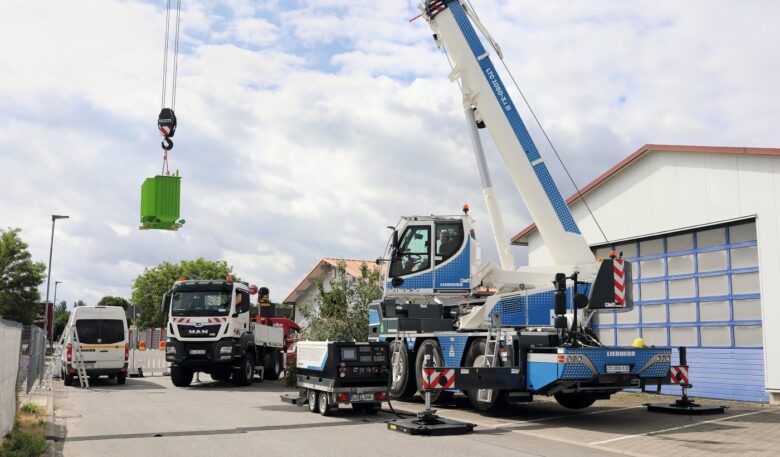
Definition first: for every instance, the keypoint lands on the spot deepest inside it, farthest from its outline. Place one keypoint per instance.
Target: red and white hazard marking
(678, 375)
(213, 320)
(180, 320)
(166, 131)
(618, 267)
(438, 379)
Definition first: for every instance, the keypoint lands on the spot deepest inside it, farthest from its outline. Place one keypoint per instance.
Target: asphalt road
(149, 415)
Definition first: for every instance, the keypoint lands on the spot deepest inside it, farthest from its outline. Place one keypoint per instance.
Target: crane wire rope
(547, 137)
(169, 129)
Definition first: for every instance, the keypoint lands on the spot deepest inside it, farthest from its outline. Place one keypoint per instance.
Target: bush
(30, 408)
(290, 378)
(23, 444)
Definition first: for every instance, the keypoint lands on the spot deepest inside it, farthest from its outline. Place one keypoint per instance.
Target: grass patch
(27, 437)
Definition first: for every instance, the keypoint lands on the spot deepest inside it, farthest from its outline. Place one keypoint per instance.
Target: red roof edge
(641, 151)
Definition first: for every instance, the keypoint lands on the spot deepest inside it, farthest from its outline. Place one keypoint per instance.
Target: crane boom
(483, 89)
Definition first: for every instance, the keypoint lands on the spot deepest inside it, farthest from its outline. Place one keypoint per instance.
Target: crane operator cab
(432, 255)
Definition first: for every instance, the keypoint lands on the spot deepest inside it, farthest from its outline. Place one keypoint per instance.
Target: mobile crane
(507, 333)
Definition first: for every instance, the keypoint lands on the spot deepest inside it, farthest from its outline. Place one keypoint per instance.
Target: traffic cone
(142, 345)
(162, 345)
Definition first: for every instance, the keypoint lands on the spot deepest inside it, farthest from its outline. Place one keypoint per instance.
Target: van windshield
(100, 331)
(207, 303)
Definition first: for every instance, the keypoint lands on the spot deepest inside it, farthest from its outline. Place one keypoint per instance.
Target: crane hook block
(167, 144)
(166, 122)
(160, 203)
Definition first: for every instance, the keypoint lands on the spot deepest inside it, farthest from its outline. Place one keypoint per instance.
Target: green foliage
(23, 444)
(30, 408)
(60, 321)
(19, 279)
(149, 286)
(79, 303)
(290, 378)
(340, 310)
(62, 307)
(108, 300)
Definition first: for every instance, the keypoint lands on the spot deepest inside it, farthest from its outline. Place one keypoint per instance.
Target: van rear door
(102, 342)
(89, 334)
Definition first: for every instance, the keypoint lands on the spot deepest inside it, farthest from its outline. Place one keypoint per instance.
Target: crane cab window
(413, 251)
(449, 238)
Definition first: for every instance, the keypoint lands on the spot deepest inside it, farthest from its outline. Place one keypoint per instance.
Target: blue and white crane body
(508, 333)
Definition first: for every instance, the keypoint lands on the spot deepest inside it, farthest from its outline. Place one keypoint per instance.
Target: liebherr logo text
(498, 89)
(621, 354)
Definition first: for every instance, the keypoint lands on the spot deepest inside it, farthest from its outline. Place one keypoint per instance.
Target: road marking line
(530, 421)
(620, 438)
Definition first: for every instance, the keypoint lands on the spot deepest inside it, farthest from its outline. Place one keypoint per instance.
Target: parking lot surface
(216, 418)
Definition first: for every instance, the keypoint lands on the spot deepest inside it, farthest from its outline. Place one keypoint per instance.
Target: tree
(149, 286)
(19, 279)
(60, 321)
(79, 303)
(108, 300)
(62, 307)
(340, 310)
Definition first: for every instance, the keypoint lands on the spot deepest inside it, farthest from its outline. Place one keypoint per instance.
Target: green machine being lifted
(161, 194)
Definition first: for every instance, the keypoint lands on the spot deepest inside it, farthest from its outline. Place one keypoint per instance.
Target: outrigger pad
(437, 427)
(160, 197)
(683, 407)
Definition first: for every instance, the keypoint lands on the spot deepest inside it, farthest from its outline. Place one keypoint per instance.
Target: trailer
(331, 374)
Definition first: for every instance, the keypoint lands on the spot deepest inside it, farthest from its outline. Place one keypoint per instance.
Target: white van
(102, 332)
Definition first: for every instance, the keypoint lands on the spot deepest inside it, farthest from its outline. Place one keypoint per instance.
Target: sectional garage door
(698, 289)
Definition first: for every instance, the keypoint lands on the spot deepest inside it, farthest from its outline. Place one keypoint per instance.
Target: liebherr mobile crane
(507, 333)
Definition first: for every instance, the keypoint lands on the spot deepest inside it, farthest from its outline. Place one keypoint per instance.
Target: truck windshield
(210, 303)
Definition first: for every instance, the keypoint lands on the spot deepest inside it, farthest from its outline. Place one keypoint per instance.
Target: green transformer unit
(160, 203)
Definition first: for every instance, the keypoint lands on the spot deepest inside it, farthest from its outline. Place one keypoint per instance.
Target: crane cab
(432, 255)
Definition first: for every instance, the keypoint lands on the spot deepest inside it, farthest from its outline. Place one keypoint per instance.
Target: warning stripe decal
(618, 267)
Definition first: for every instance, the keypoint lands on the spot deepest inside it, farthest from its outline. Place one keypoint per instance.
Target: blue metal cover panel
(541, 374)
(452, 348)
(455, 273)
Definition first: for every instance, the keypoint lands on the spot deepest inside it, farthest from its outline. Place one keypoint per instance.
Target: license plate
(618, 369)
(197, 352)
(89, 364)
(362, 397)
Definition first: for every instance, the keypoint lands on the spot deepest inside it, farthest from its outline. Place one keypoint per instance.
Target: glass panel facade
(742, 232)
(682, 288)
(653, 290)
(680, 265)
(682, 242)
(652, 314)
(712, 261)
(748, 335)
(655, 336)
(626, 336)
(714, 311)
(682, 312)
(745, 283)
(744, 257)
(650, 247)
(651, 268)
(716, 336)
(683, 336)
(713, 237)
(713, 286)
(747, 310)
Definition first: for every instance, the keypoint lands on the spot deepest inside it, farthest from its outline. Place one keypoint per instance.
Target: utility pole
(54, 218)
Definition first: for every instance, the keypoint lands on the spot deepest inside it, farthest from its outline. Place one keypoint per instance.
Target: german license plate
(612, 369)
(197, 352)
(362, 397)
(89, 364)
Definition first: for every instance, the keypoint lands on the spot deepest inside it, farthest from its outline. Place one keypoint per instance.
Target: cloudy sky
(308, 126)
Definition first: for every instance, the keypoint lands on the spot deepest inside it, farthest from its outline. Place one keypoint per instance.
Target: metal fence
(10, 344)
(36, 356)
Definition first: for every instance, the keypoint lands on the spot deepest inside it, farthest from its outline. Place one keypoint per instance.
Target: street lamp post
(54, 311)
(54, 218)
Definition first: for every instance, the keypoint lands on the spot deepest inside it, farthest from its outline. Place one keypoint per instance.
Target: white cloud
(307, 127)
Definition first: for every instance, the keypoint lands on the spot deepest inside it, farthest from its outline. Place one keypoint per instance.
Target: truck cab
(210, 330)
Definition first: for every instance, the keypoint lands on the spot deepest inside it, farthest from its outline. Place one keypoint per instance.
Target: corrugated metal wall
(698, 289)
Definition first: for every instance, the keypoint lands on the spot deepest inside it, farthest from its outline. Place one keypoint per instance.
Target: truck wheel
(324, 404)
(439, 395)
(272, 366)
(180, 376)
(575, 400)
(243, 375)
(313, 397)
(498, 398)
(402, 384)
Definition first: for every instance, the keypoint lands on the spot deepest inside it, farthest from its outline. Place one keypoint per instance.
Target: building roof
(520, 238)
(353, 267)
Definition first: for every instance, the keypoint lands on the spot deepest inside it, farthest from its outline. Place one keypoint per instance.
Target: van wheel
(121, 378)
(313, 397)
(246, 371)
(67, 379)
(403, 384)
(180, 376)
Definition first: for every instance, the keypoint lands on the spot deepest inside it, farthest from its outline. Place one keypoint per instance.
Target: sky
(306, 127)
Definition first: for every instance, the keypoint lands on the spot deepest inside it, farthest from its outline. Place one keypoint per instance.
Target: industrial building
(701, 226)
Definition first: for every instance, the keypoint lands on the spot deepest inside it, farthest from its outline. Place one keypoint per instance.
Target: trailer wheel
(440, 395)
(313, 397)
(180, 376)
(243, 375)
(498, 398)
(402, 384)
(324, 404)
(578, 400)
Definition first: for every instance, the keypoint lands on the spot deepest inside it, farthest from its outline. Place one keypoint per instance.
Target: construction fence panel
(10, 342)
(150, 361)
(36, 357)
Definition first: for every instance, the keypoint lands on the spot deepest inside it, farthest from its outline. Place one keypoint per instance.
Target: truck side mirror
(166, 301)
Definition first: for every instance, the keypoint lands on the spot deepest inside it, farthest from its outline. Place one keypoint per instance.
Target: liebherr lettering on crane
(499, 90)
